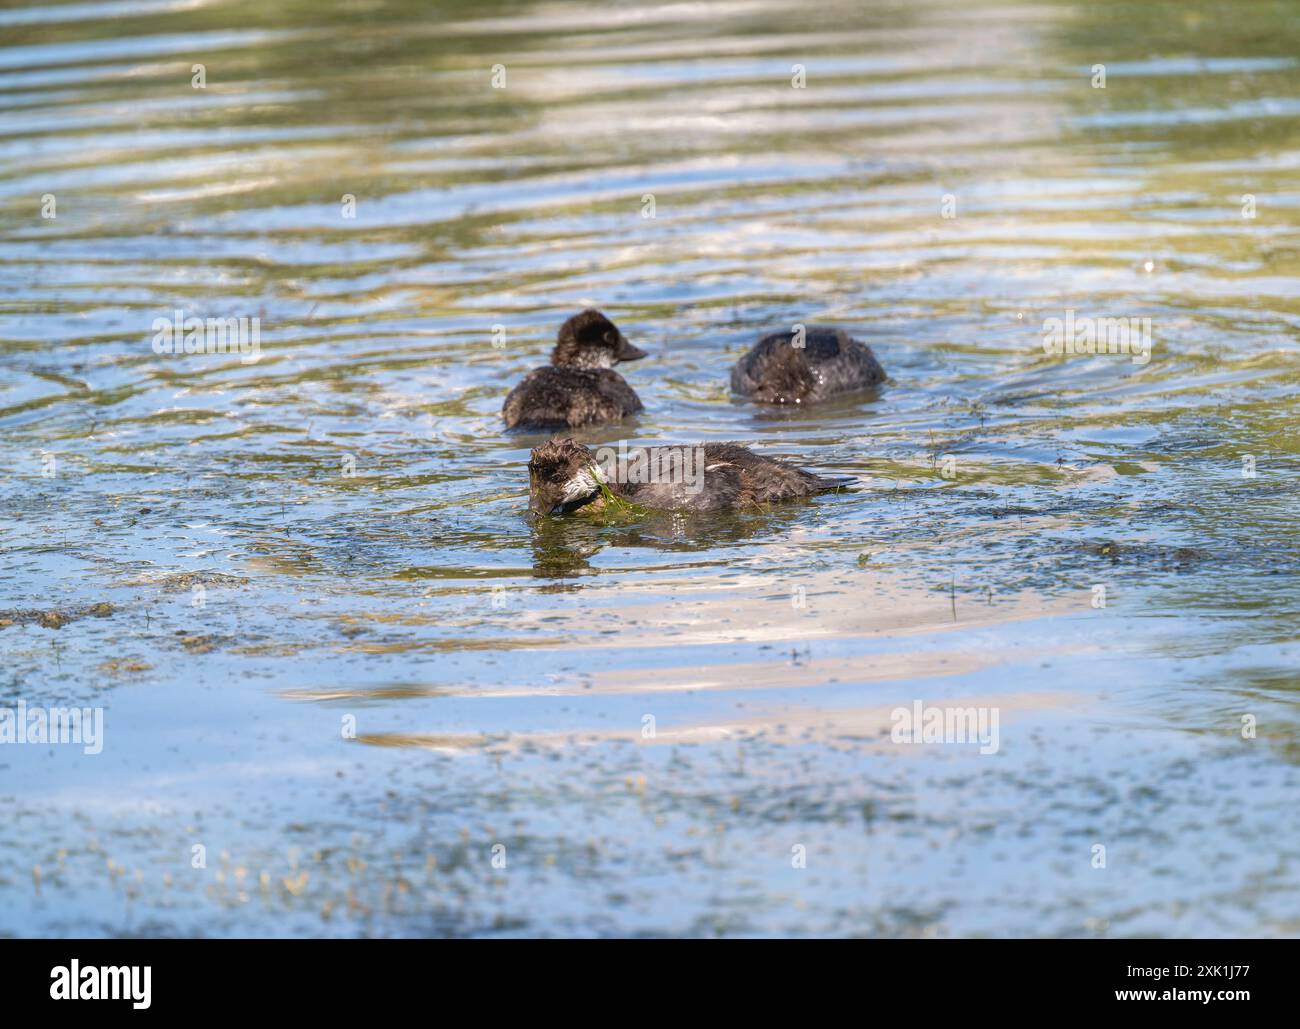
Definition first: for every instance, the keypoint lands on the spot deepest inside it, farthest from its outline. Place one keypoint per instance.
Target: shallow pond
(344, 675)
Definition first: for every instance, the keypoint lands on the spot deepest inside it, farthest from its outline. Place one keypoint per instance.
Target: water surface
(332, 651)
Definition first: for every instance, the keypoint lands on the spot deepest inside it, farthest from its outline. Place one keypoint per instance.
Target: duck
(565, 476)
(778, 370)
(580, 386)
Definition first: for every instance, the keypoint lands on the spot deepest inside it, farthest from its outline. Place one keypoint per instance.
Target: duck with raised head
(564, 476)
(580, 387)
(783, 368)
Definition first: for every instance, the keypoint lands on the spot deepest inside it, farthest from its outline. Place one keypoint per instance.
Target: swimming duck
(830, 362)
(580, 387)
(565, 476)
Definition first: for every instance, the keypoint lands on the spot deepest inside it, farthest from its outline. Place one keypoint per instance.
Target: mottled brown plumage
(565, 476)
(580, 387)
(830, 362)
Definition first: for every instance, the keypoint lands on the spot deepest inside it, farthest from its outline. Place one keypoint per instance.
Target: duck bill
(628, 352)
(541, 502)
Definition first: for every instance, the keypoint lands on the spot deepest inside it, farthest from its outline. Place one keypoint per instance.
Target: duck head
(562, 476)
(590, 340)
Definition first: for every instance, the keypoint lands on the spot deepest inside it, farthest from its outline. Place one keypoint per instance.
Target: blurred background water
(240, 561)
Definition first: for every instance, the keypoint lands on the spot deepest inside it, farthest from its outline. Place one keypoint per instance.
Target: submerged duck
(580, 387)
(830, 362)
(565, 476)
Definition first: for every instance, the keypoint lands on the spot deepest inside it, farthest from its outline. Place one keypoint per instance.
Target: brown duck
(580, 387)
(565, 476)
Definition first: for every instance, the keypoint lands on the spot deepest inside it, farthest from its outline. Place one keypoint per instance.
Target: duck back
(830, 362)
(730, 477)
(559, 398)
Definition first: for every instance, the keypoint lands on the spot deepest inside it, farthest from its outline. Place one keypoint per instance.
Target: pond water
(349, 688)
